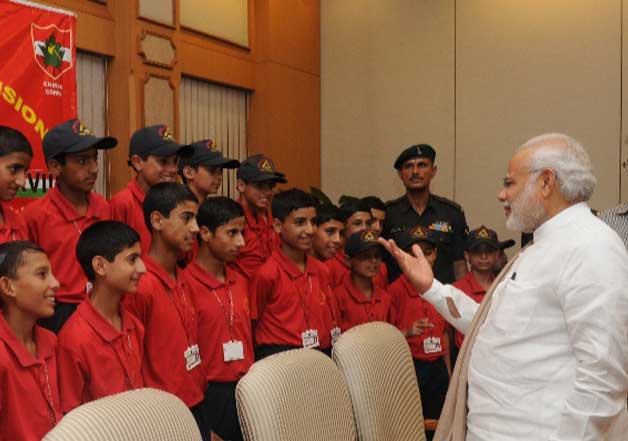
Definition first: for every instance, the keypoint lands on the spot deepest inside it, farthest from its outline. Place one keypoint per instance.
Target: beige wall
(520, 69)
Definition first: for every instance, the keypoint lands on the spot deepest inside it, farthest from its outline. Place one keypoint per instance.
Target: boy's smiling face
(367, 263)
(33, 287)
(297, 229)
(124, 273)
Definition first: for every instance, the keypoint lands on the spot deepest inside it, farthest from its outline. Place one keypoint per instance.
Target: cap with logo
(415, 151)
(156, 140)
(482, 235)
(72, 137)
(206, 153)
(410, 236)
(259, 168)
(361, 242)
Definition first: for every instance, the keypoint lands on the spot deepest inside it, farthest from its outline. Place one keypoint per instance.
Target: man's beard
(526, 212)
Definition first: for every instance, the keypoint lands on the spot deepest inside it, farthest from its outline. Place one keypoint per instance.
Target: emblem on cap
(265, 165)
(165, 133)
(418, 233)
(369, 236)
(418, 150)
(211, 145)
(483, 233)
(80, 129)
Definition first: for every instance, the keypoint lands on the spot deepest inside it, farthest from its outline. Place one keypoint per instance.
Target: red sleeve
(261, 289)
(119, 208)
(71, 377)
(30, 218)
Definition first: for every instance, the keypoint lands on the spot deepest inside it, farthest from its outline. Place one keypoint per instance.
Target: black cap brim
(482, 241)
(171, 148)
(365, 247)
(221, 162)
(90, 142)
(264, 177)
(506, 244)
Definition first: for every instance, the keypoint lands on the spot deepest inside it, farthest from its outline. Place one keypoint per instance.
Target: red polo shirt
(470, 286)
(97, 360)
(356, 308)
(166, 309)
(406, 307)
(260, 240)
(217, 324)
(55, 225)
(286, 302)
(14, 227)
(331, 317)
(126, 206)
(339, 269)
(29, 395)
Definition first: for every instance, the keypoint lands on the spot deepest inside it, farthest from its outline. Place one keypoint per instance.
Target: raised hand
(416, 267)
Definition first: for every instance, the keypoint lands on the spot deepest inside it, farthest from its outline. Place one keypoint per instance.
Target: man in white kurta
(550, 359)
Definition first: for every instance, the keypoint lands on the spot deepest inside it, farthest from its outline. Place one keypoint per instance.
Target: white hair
(569, 161)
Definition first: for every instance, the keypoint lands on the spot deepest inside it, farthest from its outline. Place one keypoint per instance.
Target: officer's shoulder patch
(394, 201)
(448, 202)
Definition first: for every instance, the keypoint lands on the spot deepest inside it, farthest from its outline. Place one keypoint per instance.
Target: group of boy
(166, 287)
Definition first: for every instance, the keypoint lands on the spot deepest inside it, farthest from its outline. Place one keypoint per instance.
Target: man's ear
(99, 265)
(277, 225)
(205, 234)
(136, 162)
(54, 167)
(6, 287)
(240, 186)
(548, 181)
(466, 255)
(434, 171)
(156, 219)
(189, 172)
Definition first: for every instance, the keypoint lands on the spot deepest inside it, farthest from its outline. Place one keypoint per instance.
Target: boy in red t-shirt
(15, 158)
(360, 299)
(257, 177)
(101, 345)
(288, 298)
(163, 301)
(423, 326)
(482, 251)
(154, 156)
(222, 300)
(56, 220)
(29, 395)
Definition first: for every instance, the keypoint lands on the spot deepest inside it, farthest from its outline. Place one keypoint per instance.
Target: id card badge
(233, 350)
(192, 357)
(431, 345)
(335, 335)
(310, 338)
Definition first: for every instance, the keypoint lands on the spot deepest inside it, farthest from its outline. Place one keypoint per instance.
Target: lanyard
(228, 318)
(47, 393)
(303, 299)
(126, 367)
(178, 309)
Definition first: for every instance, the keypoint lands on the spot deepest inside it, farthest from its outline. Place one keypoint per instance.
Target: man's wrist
(431, 295)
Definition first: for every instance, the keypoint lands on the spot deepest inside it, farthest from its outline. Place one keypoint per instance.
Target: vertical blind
(91, 81)
(209, 110)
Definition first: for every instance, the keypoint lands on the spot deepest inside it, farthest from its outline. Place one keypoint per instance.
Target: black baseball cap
(361, 242)
(506, 244)
(72, 137)
(410, 236)
(156, 140)
(206, 152)
(415, 151)
(482, 235)
(259, 168)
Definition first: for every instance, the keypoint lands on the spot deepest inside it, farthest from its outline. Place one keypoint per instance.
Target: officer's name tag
(233, 350)
(335, 335)
(431, 345)
(310, 338)
(192, 357)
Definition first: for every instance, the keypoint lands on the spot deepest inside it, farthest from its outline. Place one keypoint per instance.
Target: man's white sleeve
(451, 302)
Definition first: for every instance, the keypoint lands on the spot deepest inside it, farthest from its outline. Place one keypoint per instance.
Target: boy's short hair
(164, 198)
(13, 141)
(106, 239)
(351, 206)
(326, 213)
(12, 256)
(285, 202)
(217, 211)
(374, 202)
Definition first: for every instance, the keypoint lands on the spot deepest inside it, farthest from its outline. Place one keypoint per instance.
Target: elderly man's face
(521, 195)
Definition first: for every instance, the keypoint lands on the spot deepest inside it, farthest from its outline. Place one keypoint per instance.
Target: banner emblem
(52, 47)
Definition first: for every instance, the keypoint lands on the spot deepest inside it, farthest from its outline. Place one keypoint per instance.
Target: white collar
(558, 221)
